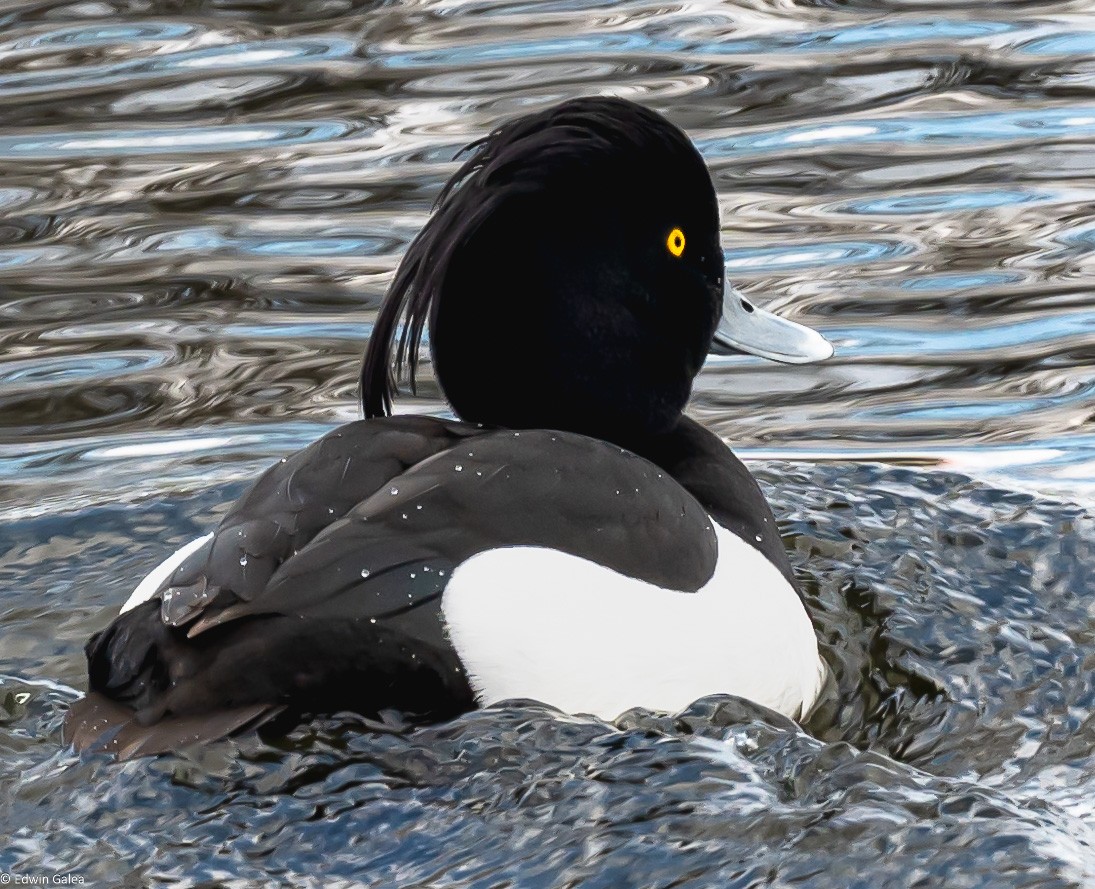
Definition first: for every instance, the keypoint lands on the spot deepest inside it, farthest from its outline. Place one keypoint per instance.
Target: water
(201, 207)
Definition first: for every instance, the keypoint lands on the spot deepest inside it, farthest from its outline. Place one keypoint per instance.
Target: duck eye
(675, 242)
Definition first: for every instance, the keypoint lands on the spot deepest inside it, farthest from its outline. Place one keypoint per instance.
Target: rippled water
(200, 207)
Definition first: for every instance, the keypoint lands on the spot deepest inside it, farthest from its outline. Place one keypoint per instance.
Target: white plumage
(530, 622)
(159, 575)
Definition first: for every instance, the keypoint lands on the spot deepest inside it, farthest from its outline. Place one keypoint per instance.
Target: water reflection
(202, 207)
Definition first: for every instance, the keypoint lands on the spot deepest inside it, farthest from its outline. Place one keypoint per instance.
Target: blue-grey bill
(747, 328)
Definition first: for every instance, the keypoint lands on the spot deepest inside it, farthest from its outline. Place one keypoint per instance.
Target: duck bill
(749, 329)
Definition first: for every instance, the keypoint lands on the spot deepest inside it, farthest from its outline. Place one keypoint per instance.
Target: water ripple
(801, 256)
(134, 35)
(180, 141)
(203, 204)
(34, 374)
(919, 203)
(921, 133)
(606, 44)
(271, 54)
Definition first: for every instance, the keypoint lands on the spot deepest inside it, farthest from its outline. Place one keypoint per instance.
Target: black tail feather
(130, 667)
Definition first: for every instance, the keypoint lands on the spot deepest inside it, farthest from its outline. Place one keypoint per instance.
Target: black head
(572, 276)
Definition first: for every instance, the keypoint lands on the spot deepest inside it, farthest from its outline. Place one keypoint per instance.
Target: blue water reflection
(1013, 127)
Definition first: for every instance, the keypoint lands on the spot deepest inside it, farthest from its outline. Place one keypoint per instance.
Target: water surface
(201, 205)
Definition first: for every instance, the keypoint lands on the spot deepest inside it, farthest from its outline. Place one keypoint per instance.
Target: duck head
(572, 278)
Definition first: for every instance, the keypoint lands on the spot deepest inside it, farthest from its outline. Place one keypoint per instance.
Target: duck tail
(123, 713)
(98, 724)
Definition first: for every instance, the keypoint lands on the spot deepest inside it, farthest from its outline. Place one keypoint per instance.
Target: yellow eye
(675, 242)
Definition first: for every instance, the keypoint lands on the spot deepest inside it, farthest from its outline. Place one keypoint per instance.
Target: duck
(567, 535)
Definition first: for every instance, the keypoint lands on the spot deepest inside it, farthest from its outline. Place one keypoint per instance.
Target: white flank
(159, 575)
(530, 622)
